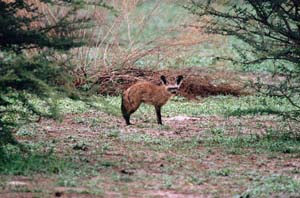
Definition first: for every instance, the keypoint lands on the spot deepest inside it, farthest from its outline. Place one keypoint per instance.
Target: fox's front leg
(158, 114)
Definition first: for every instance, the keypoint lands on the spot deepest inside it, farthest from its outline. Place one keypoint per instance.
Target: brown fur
(149, 93)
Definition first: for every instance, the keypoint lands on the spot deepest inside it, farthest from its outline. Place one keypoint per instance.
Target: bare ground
(146, 160)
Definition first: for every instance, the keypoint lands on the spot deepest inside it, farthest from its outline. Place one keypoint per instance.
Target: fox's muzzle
(173, 90)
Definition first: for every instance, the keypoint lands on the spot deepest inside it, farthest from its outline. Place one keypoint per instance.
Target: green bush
(37, 72)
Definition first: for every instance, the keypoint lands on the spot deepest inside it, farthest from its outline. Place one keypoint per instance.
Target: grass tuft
(14, 162)
(273, 186)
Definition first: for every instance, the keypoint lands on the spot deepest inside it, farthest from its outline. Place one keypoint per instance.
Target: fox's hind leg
(127, 119)
(126, 116)
(125, 113)
(127, 110)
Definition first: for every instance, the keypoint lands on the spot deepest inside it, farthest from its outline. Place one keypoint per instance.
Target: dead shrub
(197, 82)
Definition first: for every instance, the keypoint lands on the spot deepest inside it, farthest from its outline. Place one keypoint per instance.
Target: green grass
(221, 172)
(221, 105)
(272, 141)
(217, 105)
(214, 105)
(14, 162)
(136, 158)
(106, 104)
(229, 105)
(273, 185)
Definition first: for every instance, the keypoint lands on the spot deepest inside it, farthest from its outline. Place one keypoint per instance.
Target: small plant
(235, 151)
(114, 133)
(162, 127)
(79, 120)
(217, 131)
(168, 182)
(222, 172)
(196, 180)
(105, 147)
(67, 181)
(273, 186)
(26, 131)
(107, 164)
(15, 162)
(81, 145)
(126, 178)
(93, 122)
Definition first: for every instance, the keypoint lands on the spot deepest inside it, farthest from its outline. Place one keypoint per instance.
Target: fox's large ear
(163, 79)
(179, 80)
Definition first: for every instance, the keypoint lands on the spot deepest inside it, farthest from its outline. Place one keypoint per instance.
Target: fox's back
(147, 92)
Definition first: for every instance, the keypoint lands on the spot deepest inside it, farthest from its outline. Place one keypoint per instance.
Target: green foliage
(230, 106)
(67, 181)
(157, 158)
(38, 73)
(273, 185)
(168, 182)
(273, 141)
(113, 133)
(18, 34)
(214, 105)
(222, 172)
(196, 180)
(15, 162)
(107, 104)
(266, 37)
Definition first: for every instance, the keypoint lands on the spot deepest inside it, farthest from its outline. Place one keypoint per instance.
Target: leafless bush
(197, 82)
(119, 38)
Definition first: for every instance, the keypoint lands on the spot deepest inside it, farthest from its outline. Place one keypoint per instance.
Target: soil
(143, 168)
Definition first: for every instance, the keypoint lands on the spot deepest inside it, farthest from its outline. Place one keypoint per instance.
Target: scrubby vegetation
(231, 132)
(90, 150)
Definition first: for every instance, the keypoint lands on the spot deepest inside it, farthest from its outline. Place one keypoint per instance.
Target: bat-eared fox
(149, 93)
